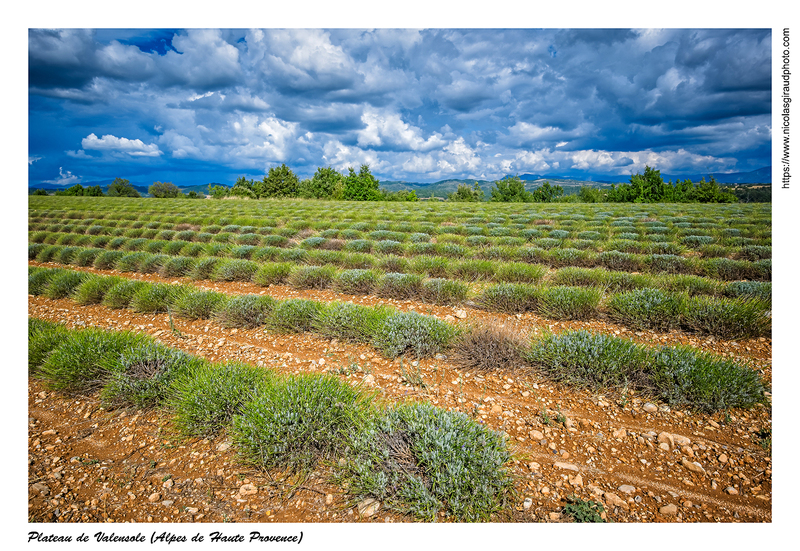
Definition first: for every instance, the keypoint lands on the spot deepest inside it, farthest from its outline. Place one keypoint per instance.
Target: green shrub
(43, 338)
(668, 263)
(77, 365)
(294, 316)
(151, 263)
(48, 254)
(246, 311)
(207, 396)
(265, 254)
(444, 291)
(431, 266)
(590, 360)
(682, 377)
(273, 274)
(647, 309)
(473, 270)
(358, 245)
(199, 304)
(570, 303)
(583, 510)
(349, 322)
(355, 282)
(312, 277)
(121, 294)
(409, 332)
(131, 262)
(729, 318)
(140, 375)
(421, 460)
(615, 260)
(235, 270)
(155, 298)
(399, 286)
(107, 259)
(755, 289)
(177, 266)
(204, 267)
(63, 284)
(86, 257)
(94, 289)
(39, 280)
(520, 272)
(298, 421)
(511, 298)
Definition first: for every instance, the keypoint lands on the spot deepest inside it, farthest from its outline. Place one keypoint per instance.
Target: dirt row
(641, 460)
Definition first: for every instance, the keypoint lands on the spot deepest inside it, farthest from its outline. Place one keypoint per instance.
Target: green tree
(279, 182)
(121, 188)
(711, 192)
(93, 191)
(466, 194)
(327, 183)
(164, 190)
(218, 191)
(362, 186)
(39, 191)
(510, 190)
(546, 193)
(72, 191)
(588, 194)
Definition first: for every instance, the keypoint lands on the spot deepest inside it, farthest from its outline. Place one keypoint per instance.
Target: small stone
(192, 510)
(40, 488)
(167, 503)
(497, 408)
(248, 489)
(566, 466)
(666, 438)
(693, 466)
(627, 489)
(440, 357)
(461, 314)
(554, 516)
(670, 509)
(681, 440)
(650, 408)
(527, 503)
(328, 499)
(534, 466)
(576, 480)
(536, 435)
(723, 458)
(223, 447)
(732, 491)
(620, 433)
(154, 497)
(368, 507)
(369, 380)
(613, 500)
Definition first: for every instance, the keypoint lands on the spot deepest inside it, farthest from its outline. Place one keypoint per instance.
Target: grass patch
(683, 377)
(350, 322)
(245, 311)
(422, 460)
(589, 360)
(312, 277)
(156, 298)
(511, 298)
(444, 291)
(412, 333)
(195, 305)
(647, 309)
(299, 420)
(235, 270)
(729, 318)
(399, 286)
(94, 289)
(78, 364)
(43, 338)
(294, 316)
(64, 284)
(520, 272)
(121, 294)
(207, 396)
(568, 303)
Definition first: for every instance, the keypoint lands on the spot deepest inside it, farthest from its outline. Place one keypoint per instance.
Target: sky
(194, 106)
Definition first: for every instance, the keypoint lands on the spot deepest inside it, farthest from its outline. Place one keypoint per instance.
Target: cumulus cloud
(65, 178)
(415, 104)
(135, 148)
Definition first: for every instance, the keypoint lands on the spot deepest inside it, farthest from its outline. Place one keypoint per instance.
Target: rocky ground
(642, 461)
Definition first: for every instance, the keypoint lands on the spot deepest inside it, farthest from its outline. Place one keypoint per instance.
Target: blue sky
(207, 105)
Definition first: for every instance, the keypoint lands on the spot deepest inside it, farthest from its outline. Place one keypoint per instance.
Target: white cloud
(137, 148)
(388, 129)
(33, 159)
(79, 154)
(65, 178)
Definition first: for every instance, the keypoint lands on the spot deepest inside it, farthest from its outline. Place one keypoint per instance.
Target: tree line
(643, 188)
(329, 183)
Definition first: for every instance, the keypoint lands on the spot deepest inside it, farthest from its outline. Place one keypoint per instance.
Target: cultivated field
(302, 361)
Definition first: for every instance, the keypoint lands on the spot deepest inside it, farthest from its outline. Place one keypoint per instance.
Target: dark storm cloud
(415, 104)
